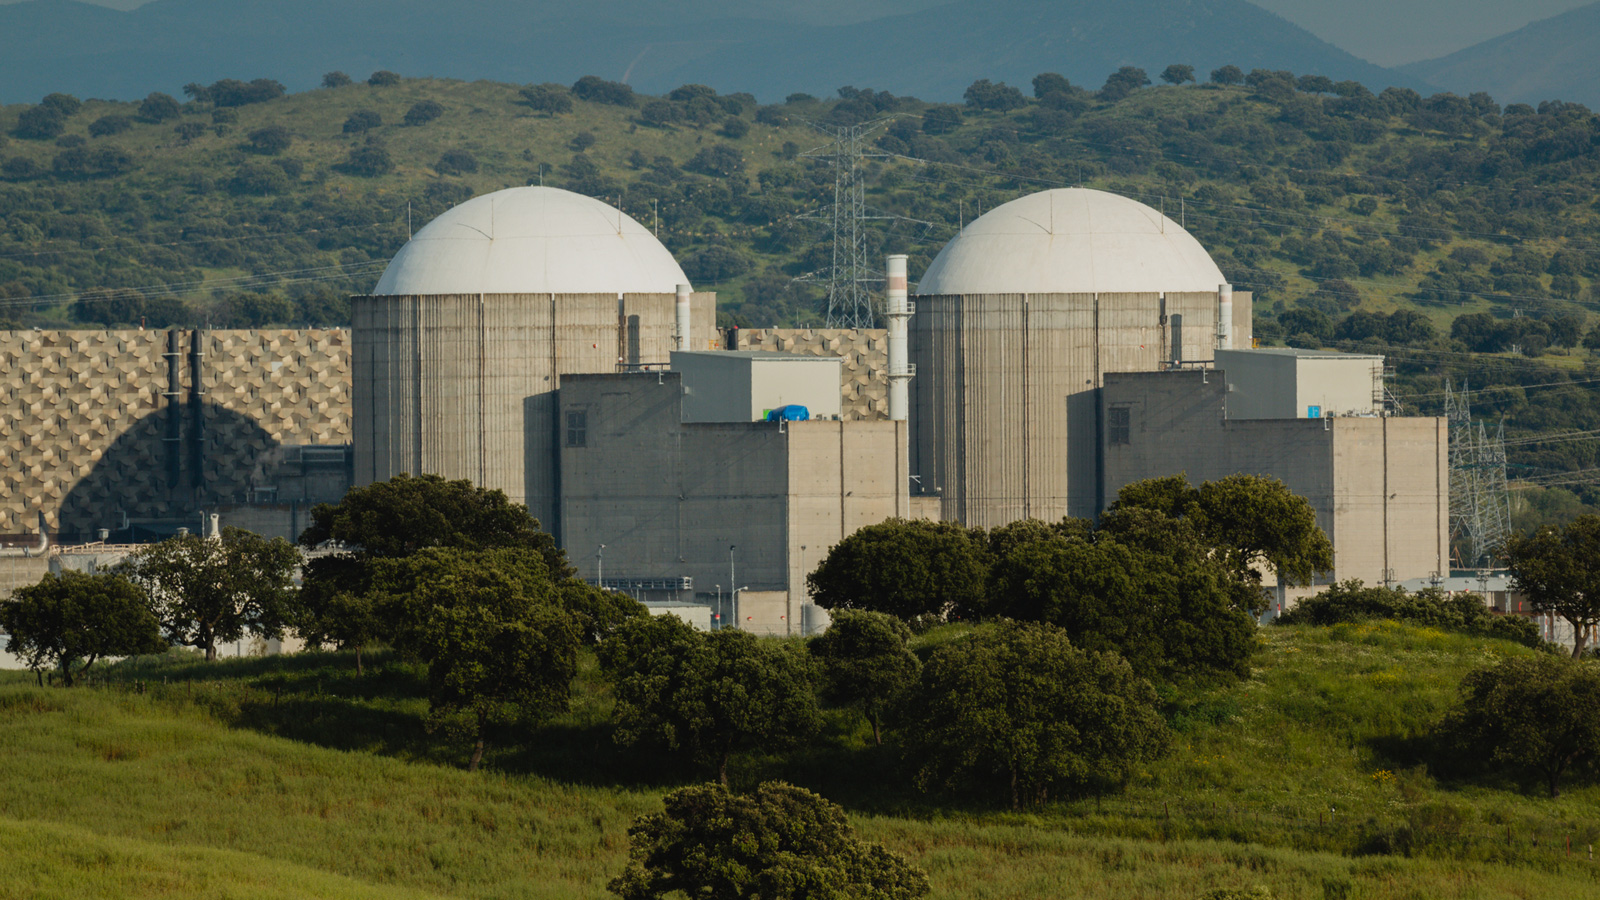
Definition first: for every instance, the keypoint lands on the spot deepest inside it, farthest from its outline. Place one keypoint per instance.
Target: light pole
(600, 572)
(718, 622)
(733, 593)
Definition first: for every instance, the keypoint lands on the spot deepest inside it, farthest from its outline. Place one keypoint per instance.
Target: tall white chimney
(683, 317)
(1225, 317)
(898, 312)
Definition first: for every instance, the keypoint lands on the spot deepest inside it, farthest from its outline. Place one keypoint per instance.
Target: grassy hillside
(291, 777)
(1338, 209)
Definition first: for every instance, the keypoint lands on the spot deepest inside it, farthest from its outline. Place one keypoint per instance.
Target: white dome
(1071, 241)
(532, 240)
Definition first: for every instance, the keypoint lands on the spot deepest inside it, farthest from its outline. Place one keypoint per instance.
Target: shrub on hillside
(423, 112)
(1351, 601)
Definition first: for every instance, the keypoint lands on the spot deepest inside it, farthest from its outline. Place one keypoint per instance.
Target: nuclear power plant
(546, 344)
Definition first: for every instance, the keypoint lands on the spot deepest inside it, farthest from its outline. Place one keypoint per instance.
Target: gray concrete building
(653, 502)
(1379, 484)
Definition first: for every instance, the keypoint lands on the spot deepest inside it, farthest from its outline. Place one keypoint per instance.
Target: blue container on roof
(791, 413)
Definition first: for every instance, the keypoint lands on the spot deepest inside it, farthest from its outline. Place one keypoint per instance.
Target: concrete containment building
(1017, 322)
(460, 348)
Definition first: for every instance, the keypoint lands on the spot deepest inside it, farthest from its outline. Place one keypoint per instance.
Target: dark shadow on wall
(146, 484)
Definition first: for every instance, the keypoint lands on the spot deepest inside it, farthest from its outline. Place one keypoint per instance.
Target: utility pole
(600, 574)
(733, 593)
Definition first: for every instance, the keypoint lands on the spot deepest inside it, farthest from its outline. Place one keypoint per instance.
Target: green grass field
(291, 777)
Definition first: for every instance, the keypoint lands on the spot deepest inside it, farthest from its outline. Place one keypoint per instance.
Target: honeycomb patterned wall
(82, 419)
(864, 373)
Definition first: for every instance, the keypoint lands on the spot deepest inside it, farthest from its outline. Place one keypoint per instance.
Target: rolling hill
(770, 49)
(1552, 59)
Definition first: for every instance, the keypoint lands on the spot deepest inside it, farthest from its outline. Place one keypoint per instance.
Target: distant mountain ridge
(1552, 59)
(769, 48)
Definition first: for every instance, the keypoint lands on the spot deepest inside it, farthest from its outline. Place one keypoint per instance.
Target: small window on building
(1120, 425)
(577, 428)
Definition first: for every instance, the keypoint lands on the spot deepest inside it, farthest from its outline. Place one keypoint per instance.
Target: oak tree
(866, 663)
(69, 620)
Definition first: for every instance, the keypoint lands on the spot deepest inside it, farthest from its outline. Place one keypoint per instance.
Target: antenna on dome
(408, 220)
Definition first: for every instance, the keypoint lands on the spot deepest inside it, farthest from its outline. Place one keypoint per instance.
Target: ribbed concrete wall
(1004, 420)
(461, 385)
(83, 415)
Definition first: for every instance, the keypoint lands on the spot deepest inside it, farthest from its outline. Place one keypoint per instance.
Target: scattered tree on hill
(866, 663)
(422, 112)
(336, 79)
(383, 78)
(368, 160)
(1557, 569)
(597, 90)
(779, 843)
(207, 592)
(362, 120)
(231, 92)
(1540, 712)
(70, 620)
(65, 104)
(1177, 74)
(1047, 83)
(998, 96)
(456, 162)
(1018, 707)
(1227, 75)
(109, 125)
(1253, 520)
(1144, 586)
(1123, 82)
(941, 119)
(271, 140)
(550, 99)
(499, 647)
(40, 123)
(338, 603)
(1315, 84)
(710, 695)
(906, 568)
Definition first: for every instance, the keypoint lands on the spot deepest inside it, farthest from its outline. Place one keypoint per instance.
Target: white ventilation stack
(898, 311)
(1225, 317)
(683, 317)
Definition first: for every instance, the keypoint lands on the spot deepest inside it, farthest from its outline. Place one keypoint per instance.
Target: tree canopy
(710, 695)
(1017, 707)
(866, 663)
(498, 646)
(1557, 569)
(1253, 520)
(1540, 713)
(73, 619)
(779, 843)
(207, 592)
(907, 568)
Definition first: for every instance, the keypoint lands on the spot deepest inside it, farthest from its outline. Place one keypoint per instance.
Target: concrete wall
(463, 385)
(85, 419)
(864, 370)
(1290, 384)
(1380, 486)
(1004, 414)
(767, 613)
(742, 386)
(668, 498)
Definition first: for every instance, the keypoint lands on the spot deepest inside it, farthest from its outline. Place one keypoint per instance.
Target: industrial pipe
(683, 317)
(197, 411)
(44, 544)
(174, 413)
(898, 310)
(1225, 317)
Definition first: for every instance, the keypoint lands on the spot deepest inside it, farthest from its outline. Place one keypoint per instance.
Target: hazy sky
(1391, 32)
(1387, 32)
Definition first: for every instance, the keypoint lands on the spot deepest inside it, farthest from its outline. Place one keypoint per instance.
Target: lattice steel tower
(1480, 501)
(849, 277)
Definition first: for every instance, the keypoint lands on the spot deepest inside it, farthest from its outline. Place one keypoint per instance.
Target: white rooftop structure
(532, 240)
(1072, 241)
